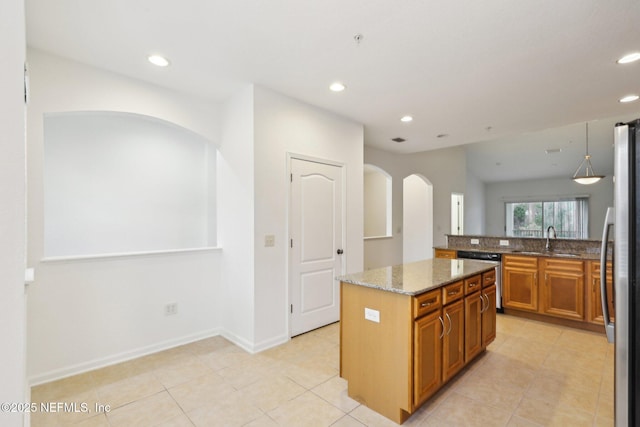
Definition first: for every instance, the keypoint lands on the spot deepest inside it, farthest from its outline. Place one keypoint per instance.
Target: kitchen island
(406, 330)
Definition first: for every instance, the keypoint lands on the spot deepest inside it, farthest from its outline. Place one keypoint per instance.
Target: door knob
(340, 251)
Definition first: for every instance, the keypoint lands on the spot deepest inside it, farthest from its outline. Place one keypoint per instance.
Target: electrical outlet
(373, 315)
(504, 243)
(171, 309)
(269, 240)
(475, 241)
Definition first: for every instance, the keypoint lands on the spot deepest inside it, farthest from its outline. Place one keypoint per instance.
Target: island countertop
(420, 276)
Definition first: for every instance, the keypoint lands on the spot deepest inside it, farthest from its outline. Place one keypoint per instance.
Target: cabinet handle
(473, 285)
(441, 321)
(483, 308)
(451, 293)
(488, 303)
(450, 323)
(535, 279)
(428, 303)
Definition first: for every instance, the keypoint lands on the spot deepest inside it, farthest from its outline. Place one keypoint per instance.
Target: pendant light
(589, 176)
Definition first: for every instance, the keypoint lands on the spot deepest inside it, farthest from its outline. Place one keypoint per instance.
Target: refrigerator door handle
(609, 327)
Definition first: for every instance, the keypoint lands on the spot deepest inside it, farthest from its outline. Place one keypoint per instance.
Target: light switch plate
(504, 243)
(371, 314)
(475, 241)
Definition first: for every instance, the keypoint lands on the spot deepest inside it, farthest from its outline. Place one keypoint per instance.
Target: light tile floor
(534, 374)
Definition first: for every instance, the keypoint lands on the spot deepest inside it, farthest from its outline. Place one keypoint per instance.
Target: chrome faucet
(549, 228)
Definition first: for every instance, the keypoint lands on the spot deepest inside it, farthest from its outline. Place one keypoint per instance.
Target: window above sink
(570, 218)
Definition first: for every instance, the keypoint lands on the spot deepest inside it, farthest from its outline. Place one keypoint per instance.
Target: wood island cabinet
(453, 340)
(520, 282)
(563, 288)
(394, 369)
(427, 358)
(473, 307)
(489, 314)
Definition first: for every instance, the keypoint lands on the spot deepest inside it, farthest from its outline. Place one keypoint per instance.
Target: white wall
(601, 196)
(12, 210)
(376, 203)
(286, 126)
(236, 218)
(107, 310)
(474, 205)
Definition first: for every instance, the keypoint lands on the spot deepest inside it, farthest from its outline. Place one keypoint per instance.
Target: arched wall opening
(417, 218)
(377, 202)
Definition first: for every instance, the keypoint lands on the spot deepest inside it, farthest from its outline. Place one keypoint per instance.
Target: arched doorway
(417, 218)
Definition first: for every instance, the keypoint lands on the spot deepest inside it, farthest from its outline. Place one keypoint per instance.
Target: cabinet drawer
(452, 292)
(472, 284)
(488, 278)
(520, 261)
(563, 265)
(427, 302)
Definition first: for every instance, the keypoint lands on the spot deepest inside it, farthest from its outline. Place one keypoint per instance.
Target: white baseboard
(120, 357)
(251, 347)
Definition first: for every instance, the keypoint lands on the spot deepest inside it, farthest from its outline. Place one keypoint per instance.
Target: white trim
(120, 357)
(129, 254)
(377, 237)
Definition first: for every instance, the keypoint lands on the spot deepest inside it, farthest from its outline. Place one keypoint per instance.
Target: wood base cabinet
(520, 282)
(594, 299)
(563, 291)
(453, 341)
(489, 315)
(445, 253)
(427, 358)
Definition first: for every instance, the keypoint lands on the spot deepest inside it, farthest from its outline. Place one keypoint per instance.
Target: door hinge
(27, 95)
(291, 242)
(291, 308)
(291, 178)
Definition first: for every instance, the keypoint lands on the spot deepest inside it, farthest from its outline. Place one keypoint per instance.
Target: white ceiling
(458, 67)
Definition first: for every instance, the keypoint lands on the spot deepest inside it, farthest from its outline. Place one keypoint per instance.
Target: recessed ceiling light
(337, 87)
(632, 57)
(406, 119)
(158, 60)
(630, 98)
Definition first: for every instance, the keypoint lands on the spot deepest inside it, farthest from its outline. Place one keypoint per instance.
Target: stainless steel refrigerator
(624, 220)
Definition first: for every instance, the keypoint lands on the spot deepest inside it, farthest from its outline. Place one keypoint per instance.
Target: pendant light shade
(589, 176)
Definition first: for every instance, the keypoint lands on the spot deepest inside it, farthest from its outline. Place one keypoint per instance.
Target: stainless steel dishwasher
(488, 256)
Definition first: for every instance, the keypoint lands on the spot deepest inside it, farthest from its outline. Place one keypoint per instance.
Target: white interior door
(316, 244)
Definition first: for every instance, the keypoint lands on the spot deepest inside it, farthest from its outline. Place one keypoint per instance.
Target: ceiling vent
(398, 139)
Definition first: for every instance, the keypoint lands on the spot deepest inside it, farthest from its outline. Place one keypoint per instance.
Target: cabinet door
(427, 356)
(563, 290)
(520, 288)
(453, 340)
(473, 305)
(445, 253)
(489, 316)
(594, 299)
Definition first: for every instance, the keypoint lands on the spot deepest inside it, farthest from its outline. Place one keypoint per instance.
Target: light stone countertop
(419, 277)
